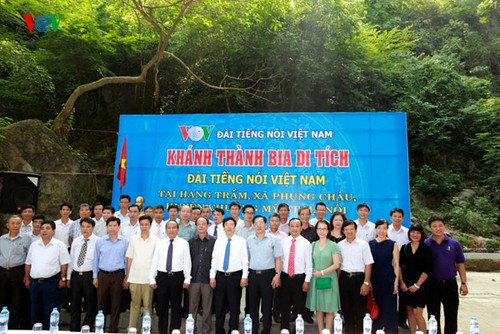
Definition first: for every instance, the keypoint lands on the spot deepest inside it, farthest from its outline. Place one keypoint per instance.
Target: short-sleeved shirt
(187, 231)
(446, 255)
(141, 252)
(400, 236)
(355, 255)
(13, 251)
(262, 252)
(46, 260)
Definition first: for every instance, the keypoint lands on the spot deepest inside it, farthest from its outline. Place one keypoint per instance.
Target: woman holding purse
(323, 296)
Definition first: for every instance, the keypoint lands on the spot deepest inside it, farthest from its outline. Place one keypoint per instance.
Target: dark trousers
(402, 313)
(12, 295)
(45, 295)
(445, 292)
(227, 290)
(353, 304)
(276, 302)
(82, 288)
(109, 296)
(292, 294)
(169, 291)
(259, 291)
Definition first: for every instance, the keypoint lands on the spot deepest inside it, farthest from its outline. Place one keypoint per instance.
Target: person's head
(37, 223)
(349, 229)
(107, 212)
(201, 225)
(259, 224)
(65, 210)
(14, 224)
(295, 226)
(234, 209)
(139, 200)
(145, 223)
(218, 215)
(173, 211)
(416, 233)
(337, 219)
(381, 227)
(148, 210)
(438, 226)
(195, 213)
(397, 215)
(47, 229)
(320, 210)
(84, 210)
(363, 210)
(27, 213)
(172, 229)
(274, 222)
(304, 214)
(97, 210)
(229, 224)
(322, 228)
(133, 212)
(206, 212)
(248, 213)
(283, 211)
(158, 213)
(87, 227)
(113, 225)
(185, 213)
(124, 202)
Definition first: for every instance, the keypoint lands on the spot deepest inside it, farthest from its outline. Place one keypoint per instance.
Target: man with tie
(216, 229)
(170, 273)
(79, 276)
(296, 272)
(228, 275)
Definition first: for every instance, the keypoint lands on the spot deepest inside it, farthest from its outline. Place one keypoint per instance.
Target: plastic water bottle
(99, 322)
(325, 331)
(432, 325)
(85, 329)
(146, 324)
(189, 324)
(337, 324)
(247, 325)
(284, 331)
(176, 331)
(54, 321)
(380, 331)
(367, 324)
(299, 324)
(133, 330)
(4, 320)
(473, 326)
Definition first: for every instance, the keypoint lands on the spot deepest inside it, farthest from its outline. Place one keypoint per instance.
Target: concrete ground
(483, 301)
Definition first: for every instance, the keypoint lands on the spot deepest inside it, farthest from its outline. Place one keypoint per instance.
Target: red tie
(291, 259)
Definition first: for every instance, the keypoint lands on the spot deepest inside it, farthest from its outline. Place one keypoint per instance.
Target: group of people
(199, 260)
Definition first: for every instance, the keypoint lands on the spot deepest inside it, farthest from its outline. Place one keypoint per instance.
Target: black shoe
(308, 319)
(403, 325)
(277, 318)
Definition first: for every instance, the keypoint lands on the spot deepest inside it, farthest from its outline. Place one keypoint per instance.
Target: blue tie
(169, 256)
(225, 267)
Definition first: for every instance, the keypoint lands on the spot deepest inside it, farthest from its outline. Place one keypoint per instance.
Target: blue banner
(263, 159)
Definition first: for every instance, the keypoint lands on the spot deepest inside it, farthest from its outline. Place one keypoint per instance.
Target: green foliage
(436, 184)
(475, 215)
(493, 245)
(463, 240)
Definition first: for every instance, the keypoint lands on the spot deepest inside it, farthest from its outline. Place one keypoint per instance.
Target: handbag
(371, 306)
(323, 283)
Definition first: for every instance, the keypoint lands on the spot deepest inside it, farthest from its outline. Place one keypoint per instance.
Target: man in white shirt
(131, 228)
(319, 212)
(296, 272)
(63, 225)
(234, 210)
(284, 211)
(100, 222)
(355, 277)
(228, 275)
(74, 230)
(139, 258)
(217, 229)
(206, 212)
(27, 213)
(246, 229)
(79, 276)
(365, 229)
(45, 273)
(158, 224)
(122, 213)
(170, 273)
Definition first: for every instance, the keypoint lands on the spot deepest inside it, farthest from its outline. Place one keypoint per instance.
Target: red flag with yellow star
(122, 164)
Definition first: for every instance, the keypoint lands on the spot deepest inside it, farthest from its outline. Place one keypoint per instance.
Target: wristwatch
(63, 279)
(366, 283)
(464, 283)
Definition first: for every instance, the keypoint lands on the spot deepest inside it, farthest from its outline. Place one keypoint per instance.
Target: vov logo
(196, 133)
(42, 23)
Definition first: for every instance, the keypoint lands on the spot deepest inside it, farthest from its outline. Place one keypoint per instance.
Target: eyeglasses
(249, 213)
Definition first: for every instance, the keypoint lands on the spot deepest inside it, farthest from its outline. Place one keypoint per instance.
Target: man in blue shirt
(264, 254)
(109, 272)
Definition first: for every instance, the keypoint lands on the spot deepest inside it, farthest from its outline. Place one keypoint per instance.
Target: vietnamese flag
(122, 164)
